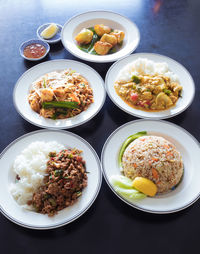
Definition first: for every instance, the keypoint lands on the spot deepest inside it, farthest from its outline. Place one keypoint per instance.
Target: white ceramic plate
(185, 79)
(186, 193)
(23, 86)
(88, 19)
(30, 219)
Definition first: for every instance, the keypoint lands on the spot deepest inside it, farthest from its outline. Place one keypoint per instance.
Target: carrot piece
(154, 173)
(166, 146)
(154, 159)
(135, 165)
(74, 97)
(142, 139)
(168, 153)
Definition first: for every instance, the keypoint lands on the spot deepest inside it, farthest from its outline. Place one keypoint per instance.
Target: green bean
(60, 104)
(136, 79)
(166, 91)
(127, 142)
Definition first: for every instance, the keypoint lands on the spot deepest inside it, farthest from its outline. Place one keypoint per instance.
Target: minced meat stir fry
(150, 93)
(66, 178)
(60, 94)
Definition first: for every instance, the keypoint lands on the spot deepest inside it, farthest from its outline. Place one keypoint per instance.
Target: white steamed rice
(143, 66)
(30, 166)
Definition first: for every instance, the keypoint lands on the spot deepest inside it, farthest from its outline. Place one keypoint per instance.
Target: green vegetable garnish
(52, 154)
(70, 156)
(60, 104)
(52, 202)
(58, 172)
(46, 196)
(134, 86)
(127, 142)
(79, 193)
(123, 186)
(136, 79)
(56, 114)
(44, 83)
(113, 50)
(121, 181)
(88, 48)
(166, 91)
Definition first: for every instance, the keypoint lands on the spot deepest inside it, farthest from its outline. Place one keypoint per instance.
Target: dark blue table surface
(169, 27)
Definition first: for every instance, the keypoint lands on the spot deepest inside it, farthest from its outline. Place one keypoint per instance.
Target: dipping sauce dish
(34, 49)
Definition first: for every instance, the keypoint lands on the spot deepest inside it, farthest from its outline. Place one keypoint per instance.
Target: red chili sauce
(34, 50)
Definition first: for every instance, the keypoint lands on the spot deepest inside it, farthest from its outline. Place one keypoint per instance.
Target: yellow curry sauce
(149, 92)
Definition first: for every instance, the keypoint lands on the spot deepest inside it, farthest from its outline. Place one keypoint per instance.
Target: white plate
(88, 19)
(30, 219)
(185, 78)
(186, 193)
(23, 86)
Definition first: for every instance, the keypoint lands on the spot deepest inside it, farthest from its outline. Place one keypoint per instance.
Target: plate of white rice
(188, 189)
(150, 64)
(24, 168)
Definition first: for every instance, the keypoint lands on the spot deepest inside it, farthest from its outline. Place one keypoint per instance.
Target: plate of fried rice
(50, 179)
(164, 154)
(59, 94)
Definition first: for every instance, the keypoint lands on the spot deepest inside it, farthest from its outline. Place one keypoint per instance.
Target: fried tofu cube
(102, 48)
(109, 38)
(101, 29)
(46, 95)
(60, 94)
(85, 36)
(35, 105)
(119, 35)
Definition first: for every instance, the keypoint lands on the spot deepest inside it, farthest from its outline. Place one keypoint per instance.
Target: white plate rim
(12, 219)
(59, 127)
(138, 115)
(123, 199)
(107, 60)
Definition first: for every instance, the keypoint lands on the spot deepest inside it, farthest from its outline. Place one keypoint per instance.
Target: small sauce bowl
(56, 38)
(34, 41)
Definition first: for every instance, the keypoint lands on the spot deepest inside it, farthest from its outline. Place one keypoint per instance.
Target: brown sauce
(34, 50)
(143, 108)
(146, 109)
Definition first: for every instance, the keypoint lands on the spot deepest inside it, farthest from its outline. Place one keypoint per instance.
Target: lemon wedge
(50, 31)
(145, 186)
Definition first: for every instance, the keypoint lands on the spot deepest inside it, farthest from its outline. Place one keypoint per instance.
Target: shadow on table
(179, 119)
(88, 128)
(117, 115)
(56, 47)
(30, 64)
(138, 215)
(120, 117)
(84, 130)
(62, 231)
